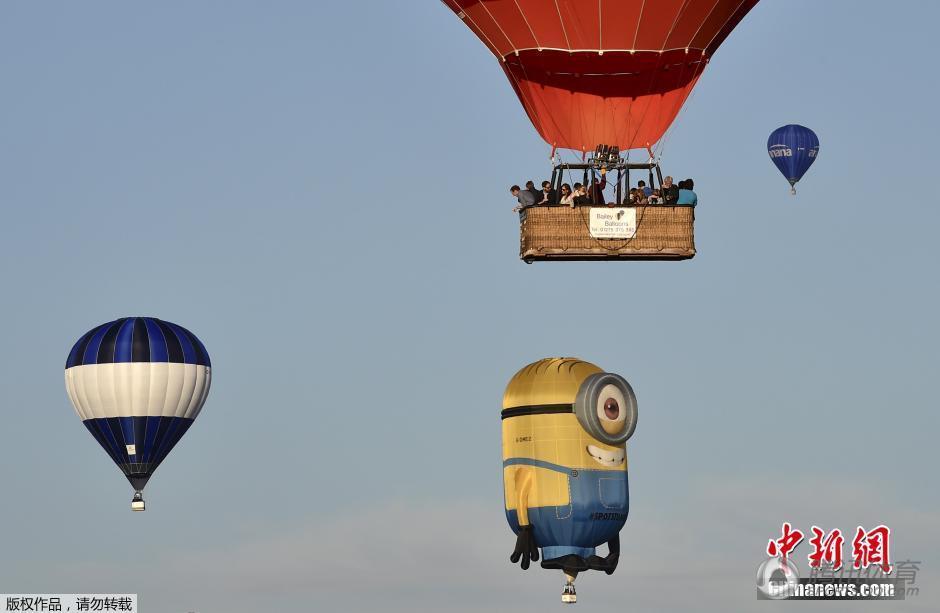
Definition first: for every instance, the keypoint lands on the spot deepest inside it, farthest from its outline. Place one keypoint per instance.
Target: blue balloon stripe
(100, 437)
(126, 427)
(150, 437)
(162, 434)
(173, 347)
(139, 433)
(140, 342)
(202, 356)
(123, 344)
(106, 346)
(78, 350)
(162, 426)
(109, 436)
(172, 435)
(138, 339)
(91, 350)
(158, 350)
(189, 352)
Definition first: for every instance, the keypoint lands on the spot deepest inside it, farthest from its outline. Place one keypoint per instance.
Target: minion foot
(608, 564)
(571, 564)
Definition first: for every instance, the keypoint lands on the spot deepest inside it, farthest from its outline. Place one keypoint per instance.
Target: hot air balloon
(565, 427)
(137, 383)
(793, 149)
(602, 77)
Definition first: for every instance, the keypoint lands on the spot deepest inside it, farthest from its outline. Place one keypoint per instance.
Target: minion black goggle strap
(537, 409)
(605, 406)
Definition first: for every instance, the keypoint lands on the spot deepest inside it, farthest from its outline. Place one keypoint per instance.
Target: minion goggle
(605, 406)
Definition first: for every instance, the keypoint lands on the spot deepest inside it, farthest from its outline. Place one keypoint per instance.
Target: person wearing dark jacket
(536, 193)
(670, 192)
(580, 195)
(596, 193)
(547, 195)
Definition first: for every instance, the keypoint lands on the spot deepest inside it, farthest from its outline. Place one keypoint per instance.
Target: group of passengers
(671, 194)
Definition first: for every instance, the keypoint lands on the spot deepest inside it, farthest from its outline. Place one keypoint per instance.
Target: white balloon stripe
(188, 387)
(137, 389)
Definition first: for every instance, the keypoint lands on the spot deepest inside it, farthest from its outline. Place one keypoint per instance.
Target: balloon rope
(656, 70)
(682, 105)
(564, 30)
(661, 145)
(529, 104)
(477, 29)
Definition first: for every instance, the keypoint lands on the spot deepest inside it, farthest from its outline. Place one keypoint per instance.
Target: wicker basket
(561, 233)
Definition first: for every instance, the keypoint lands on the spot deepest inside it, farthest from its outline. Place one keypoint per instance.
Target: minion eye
(606, 408)
(611, 409)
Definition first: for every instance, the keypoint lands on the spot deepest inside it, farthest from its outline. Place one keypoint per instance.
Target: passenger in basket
(631, 197)
(640, 198)
(524, 197)
(670, 191)
(687, 197)
(597, 188)
(642, 187)
(547, 194)
(655, 198)
(580, 195)
(567, 196)
(530, 187)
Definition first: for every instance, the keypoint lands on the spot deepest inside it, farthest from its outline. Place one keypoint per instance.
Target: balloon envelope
(565, 423)
(137, 384)
(612, 72)
(793, 149)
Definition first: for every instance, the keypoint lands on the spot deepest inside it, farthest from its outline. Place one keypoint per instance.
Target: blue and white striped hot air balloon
(137, 383)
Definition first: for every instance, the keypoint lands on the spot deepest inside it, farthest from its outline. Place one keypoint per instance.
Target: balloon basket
(137, 503)
(568, 595)
(552, 232)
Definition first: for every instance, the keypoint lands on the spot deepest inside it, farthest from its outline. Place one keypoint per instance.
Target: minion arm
(524, 479)
(526, 548)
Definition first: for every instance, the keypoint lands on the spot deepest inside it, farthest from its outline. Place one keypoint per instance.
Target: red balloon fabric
(612, 72)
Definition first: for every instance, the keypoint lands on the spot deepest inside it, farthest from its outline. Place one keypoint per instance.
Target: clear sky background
(318, 190)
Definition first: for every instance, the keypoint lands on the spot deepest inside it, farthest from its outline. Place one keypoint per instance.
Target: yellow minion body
(554, 439)
(561, 479)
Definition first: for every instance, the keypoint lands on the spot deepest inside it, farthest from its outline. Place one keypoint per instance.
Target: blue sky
(319, 192)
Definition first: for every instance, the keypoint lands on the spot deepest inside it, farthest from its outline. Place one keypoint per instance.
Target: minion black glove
(526, 549)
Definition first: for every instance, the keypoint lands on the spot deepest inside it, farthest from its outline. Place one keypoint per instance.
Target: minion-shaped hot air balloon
(565, 426)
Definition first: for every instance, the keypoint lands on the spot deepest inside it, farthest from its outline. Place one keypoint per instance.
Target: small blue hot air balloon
(137, 383)
(793, 149)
